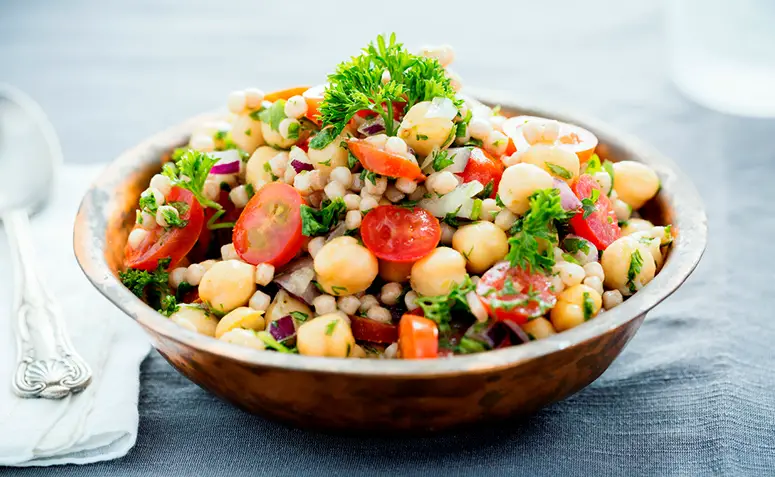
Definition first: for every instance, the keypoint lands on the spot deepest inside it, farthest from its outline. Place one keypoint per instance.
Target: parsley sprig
(153, 287)
(439, 308)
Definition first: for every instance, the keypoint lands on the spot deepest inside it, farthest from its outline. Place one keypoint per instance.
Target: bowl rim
(689, 219)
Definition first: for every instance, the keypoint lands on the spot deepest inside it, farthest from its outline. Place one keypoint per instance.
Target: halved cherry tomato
(382, 162)
(418, 337)
(484, 168)
(513, 294)
(399, 234)
(285, 93)
(269, 228)
(199, 252)
(572, 138)
(174, 242)
(365, 329)
(600, 227)
(313, 97)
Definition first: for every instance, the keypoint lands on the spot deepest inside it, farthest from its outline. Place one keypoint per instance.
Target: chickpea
(395, 271)
(195, 318)
(635, 183)
(424, 134)
(539, 328)
(334, 152)
(569, 310)
(228, 285)
(246, 133)
(519, 182)
(436, 273)
(243, 337)
(344, 267)
(242, 317)
(327, 335)
(616, 261)
(482, 244)
(256, 172)
(284, 304)
(554, 160)
(636, 225)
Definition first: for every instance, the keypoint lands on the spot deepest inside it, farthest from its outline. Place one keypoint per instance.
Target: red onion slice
(568, 199)
(228, 162)
(283, 329)
(299, 166)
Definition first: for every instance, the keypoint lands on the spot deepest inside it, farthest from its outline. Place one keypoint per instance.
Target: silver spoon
(30, 155)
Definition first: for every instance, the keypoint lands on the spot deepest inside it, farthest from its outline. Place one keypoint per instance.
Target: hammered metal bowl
(390, 395)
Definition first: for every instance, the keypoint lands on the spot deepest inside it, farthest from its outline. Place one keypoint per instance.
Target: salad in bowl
(384, 214)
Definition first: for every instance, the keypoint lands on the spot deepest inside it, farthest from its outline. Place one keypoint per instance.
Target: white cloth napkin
(101, 422)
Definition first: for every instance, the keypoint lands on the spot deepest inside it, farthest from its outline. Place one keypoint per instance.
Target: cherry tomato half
(313, 97)
(418, 337)
(572, 138)
(365, 329)
(382, 162)
(513, 294)
(600, 227)
(399, 234)
(484, 168)
(285, 93)
(269, 228)
(174, 242)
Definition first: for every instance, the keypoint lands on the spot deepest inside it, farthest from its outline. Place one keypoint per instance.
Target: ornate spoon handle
(48, 366)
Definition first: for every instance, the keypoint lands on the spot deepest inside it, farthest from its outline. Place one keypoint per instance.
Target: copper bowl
(390, 395)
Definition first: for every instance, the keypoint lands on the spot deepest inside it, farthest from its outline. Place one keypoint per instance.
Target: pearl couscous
(384, 215)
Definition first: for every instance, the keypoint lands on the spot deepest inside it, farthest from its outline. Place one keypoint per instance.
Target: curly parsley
(152, 287)
(439, 308)
(318, 222)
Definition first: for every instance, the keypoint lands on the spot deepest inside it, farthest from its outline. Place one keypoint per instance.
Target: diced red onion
(283, 329)
(517, 330)
(299, 166)
(297, 276)
(228, 162)
(372, 127)
(568, 199)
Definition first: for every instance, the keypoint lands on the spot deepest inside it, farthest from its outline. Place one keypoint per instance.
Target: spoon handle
(48, 365)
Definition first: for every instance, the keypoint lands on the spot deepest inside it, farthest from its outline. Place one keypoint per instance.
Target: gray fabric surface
(693, 394)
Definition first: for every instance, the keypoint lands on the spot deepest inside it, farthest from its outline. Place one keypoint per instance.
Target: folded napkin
(101, 422)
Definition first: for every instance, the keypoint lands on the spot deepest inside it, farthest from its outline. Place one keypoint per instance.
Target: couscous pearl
(278, 164)
(208, 264)
(515, 158)
(378, 313)
(396, 145)
(161, 183)
(324, 304)
(348, 304)
(604, 180)
(177, 276)
(357, 184)
(367, 301)
(497, 143)
(253, 98)
(239, 196)
(557, 285)
(260, 301)
(318, 180)
(228, 252)
(298, 154)
(295, 107)
(368, 203)
(447, 232)
(201, 142)
(377, 140)
(390, 293)
(594, 269)
(497, 122)
(303, 183)
(505, 219)
(352, 201)
(136, 237)
(194, 274)
(410, 300)
(479, 128)
(212, 189)
(441, 183)
(612, 298)
(391, 351)
(353, 219)
(264, 274)
(570, 273)
(147, 221)
(334, 190)
(287, 125)
(595, 283)
(158, 196)
(407, 186)
(489, 209)
(475, 304)
(621, 209)
(166, 211)
(316, 198)
(419, 193)
(393, 194)
(342, 175)
(290, 175)
(377, 187)
(236, 101)
(315, 245)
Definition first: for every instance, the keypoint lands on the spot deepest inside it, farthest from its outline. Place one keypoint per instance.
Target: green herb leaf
(570, 258)
(476, 209)
(609, 168)
(469, 345)
(588, 203)
(326, 163)
(318, 222)
(474, 142)
(588, 306)
(451, 218)
(299, 316)
(152, 287)
(421, 137)
(367, 175)
(250, 190)
(331, 327)
(439, 308)
(172, 217)
(147, 202)
(337, 291)
(636, 265)
(538, 223)
(574, 245)
(352, 161)
(441, 159)
(190, 172)
(487, 191)
(559, 171)
(272, 343)
(499, 202)
(293, 130)
(322, 139)
(273, 115)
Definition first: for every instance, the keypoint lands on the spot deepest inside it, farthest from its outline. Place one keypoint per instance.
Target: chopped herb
(462, 126)
(636, 265)
(153, 287)
(183, 289)
(609, 219)
(588, 306)
(439, 308)
(319, 287)
(476, 209)
(441, 160)
(408, 204)
(609, 168)
(594, 165)
(668, 237)
(496, 110)
(331, 327)
(148, 202)
(272, 343)
(498, 201)
(326, 163)
(172, 217)
(178, 153)
(559, 171)
(570, 258)
(352, 161)
(337, 291)
(138, 217)
(256, 115)
(467, 255)
(273, 115)
(623, 223)
(293, 130)
(588, 203)
(248, 132)
(487, 191)
(474, 142)
(268, 168)
(322, 139)
(299, 316)
(250, 190)
(574, 245)
(421, 137)
(469, 345)
(368, 176)
(318, 222)
(451, 218)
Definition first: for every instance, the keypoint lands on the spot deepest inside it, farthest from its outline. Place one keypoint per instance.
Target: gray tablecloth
(693, 393)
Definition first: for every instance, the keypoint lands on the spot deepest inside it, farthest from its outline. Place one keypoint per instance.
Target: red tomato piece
(382, 162)
(418, 337)
(600, 227)
(269, 228)
(484, 168)
(313, 97)
(285, 93)
(399, 234)
(572, 138)
(365, 329)
(173, 243)
(513, 294)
